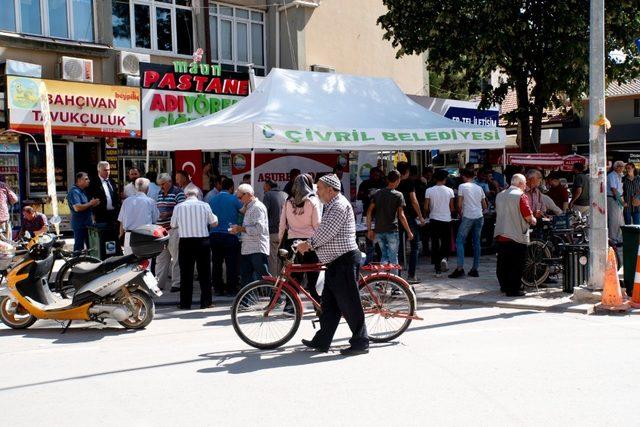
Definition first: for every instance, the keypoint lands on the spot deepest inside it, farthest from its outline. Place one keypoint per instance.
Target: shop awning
(310, 111)
(543, 160)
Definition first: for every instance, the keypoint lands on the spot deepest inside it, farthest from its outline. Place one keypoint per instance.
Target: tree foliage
(540, 46)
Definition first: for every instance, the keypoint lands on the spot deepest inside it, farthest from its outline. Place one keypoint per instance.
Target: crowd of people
(227, 238)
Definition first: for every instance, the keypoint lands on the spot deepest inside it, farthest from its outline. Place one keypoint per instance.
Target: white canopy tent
(311, 111)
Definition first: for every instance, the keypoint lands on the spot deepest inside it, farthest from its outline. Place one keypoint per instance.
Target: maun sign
(173, 94)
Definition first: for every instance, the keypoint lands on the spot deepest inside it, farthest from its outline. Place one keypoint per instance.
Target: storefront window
(38, 169)
(8, 18)
(58, 24)
(30, 14)
(65, 19)
(158, 25)
(237, 37)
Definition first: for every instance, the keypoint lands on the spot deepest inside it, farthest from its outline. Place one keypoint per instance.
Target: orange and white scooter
(118, 288)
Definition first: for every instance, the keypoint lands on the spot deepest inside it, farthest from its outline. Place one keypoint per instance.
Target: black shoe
(350, 351)
(210, 305)
(174, 289)
(311, 345)
(516, 294)
(473, 273)
(458, 272)
(180, 307)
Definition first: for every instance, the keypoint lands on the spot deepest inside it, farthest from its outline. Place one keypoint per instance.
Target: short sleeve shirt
(581, 181)
(77, 196)
(406, 187)
(386, 211)
(472, 196)
(439, 202)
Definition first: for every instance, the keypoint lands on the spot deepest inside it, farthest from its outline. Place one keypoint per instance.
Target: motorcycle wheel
(143, 310)
(22, 319)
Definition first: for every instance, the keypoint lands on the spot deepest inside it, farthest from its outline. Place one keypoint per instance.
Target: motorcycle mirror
(55, 220)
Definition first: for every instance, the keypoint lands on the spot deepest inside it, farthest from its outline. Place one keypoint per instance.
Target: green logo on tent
(268, 132)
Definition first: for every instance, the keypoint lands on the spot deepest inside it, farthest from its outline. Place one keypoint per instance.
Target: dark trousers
(511, 259)
(341, 297)
(440, 241)
(225, 248)
(194, 251)
(309, 257)
(413, 244)
(80, 238)
(253, 267)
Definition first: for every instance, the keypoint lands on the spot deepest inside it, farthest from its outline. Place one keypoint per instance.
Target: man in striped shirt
(167, 262)
(335, 245)
(192, 218)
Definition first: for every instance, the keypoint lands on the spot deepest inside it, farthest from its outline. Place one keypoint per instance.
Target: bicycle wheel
(260, 330)
(536, 269)
(387, 303)
(63, 285)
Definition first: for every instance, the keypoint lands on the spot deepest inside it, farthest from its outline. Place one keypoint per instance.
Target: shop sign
(178, 93)
(306, 135)
(76, 108)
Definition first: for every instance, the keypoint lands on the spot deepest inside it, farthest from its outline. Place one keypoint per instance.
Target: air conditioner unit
(129, 62)
(76, 69)
(322, 68)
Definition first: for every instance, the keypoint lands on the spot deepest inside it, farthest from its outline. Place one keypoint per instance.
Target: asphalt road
(460, 366)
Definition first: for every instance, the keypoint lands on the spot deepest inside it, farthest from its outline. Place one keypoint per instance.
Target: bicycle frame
(286, 279)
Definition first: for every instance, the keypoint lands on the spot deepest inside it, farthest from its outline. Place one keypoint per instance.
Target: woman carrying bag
(299, 220)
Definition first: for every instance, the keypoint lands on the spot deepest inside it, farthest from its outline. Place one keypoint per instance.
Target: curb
(590, 309)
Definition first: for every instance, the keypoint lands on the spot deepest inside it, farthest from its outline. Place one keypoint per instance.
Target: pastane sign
(178, 93)
(76, 108)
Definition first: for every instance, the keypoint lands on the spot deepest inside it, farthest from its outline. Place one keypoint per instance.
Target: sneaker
(458, 272)
(289, 311)
(473, 273)
(444, 265)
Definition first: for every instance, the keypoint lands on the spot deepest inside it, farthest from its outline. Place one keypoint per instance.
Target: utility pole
(598, 241)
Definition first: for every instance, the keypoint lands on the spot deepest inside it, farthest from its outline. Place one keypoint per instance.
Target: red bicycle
(267, 313)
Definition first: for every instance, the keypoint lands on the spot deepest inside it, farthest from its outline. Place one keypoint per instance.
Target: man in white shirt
(438, 203)
(184, 182)
(471, 203)
(192, 219)
(137, 210)
(132, 174)
(105, 190)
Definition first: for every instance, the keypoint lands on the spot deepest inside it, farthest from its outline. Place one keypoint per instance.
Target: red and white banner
(277, 167)
(541, 160)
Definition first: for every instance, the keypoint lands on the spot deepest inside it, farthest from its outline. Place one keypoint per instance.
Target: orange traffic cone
(635, 295)
(612, 294)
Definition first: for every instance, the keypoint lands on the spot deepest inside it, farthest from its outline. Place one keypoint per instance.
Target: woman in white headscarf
(299, 220)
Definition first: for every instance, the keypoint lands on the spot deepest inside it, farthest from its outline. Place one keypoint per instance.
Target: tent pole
(504, 159)
(253, 168)
(146, 165)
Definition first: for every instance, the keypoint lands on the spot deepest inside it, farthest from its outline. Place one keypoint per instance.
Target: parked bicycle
(262, 315)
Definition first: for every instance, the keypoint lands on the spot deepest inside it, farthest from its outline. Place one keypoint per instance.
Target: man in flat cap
(335, 244)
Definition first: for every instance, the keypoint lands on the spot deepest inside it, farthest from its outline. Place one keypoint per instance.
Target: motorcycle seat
(86, 272)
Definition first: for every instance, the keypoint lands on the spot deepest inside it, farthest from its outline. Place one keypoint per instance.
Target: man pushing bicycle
(335, 244)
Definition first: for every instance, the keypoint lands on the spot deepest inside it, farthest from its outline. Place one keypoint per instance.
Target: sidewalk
(484, 290)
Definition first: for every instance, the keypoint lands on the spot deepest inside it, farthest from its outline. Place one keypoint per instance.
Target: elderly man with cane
(335, 244)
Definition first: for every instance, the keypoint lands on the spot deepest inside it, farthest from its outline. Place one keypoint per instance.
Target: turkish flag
(190, 161)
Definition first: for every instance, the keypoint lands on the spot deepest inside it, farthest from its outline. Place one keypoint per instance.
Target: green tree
(540, 46)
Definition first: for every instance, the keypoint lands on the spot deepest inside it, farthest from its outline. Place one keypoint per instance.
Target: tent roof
(288, 103)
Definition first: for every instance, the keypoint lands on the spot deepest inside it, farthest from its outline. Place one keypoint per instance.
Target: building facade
(94, 49)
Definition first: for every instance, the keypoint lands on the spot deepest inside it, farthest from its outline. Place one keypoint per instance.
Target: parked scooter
(118, 288)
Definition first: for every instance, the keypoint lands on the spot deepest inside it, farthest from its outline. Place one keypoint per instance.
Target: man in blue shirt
(225, 246)
(80, 208)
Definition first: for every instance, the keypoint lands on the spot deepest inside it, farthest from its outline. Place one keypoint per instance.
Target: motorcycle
(118, 288)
